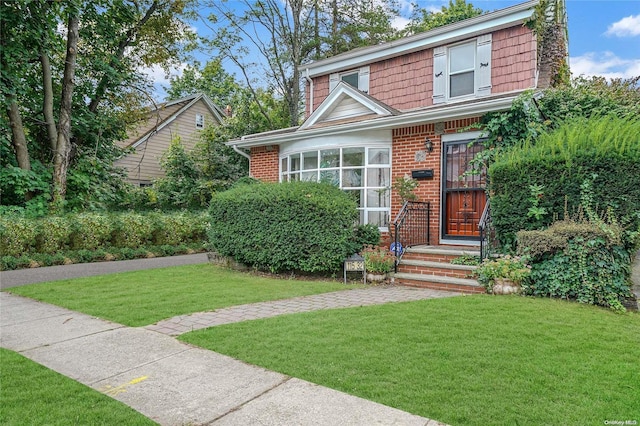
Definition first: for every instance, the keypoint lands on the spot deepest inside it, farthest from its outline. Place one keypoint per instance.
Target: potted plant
(504, 274)
(378, 261)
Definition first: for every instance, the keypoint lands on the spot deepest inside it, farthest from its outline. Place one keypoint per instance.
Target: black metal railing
(411, 227)
(487, 234)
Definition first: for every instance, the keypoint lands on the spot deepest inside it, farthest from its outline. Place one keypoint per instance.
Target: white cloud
(159, 78)
(626, 27)
(604, 64)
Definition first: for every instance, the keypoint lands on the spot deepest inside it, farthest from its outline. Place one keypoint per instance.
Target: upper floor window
(199, 121)
(357, 78)
(463, 70)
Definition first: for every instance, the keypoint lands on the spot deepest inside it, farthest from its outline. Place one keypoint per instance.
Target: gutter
(244, 154)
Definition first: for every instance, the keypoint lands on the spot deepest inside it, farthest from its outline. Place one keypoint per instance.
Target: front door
(463, 195)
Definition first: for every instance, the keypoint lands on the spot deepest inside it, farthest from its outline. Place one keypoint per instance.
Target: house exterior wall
(264, 163)
(406, 82)
(143, 165)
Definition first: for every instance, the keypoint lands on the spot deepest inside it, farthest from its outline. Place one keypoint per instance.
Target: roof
(164, 114)
(446, 34)
(378, 121)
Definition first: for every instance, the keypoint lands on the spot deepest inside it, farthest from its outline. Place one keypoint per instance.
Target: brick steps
(430, 267)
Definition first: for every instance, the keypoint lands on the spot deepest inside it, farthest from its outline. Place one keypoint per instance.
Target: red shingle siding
(406, 143)
(513, 59)
(404, 82)
(264, 163)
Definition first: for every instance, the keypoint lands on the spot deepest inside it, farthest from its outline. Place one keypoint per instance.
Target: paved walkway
(338, 299)
(174, 383)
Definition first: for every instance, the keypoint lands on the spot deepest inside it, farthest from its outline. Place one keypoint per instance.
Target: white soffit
(468, 28)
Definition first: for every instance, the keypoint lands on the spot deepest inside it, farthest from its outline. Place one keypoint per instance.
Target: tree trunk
(18, 138)
(47, 104)
(63, 146)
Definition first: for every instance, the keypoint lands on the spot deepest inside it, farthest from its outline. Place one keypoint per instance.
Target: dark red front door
(463, 195)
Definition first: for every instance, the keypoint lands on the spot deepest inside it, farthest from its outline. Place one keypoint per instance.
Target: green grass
(480, 360)
(34, 395)
(145, 297)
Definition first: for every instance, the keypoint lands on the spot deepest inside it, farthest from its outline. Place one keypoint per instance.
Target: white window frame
(199, 121)
(481, 75)
(363, 78)
(364, 209)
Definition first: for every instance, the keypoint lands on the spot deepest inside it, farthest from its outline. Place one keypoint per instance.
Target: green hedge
(582, 261)
(95, 231)
(298, 226)
(603, 152)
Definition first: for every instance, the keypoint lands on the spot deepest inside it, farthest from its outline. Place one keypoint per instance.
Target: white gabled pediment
(345, 101)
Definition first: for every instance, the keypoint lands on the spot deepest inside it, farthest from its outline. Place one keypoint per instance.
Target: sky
(604, 35)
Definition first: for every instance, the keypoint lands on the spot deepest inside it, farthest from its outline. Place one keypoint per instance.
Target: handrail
(485, 228)
(411, 227)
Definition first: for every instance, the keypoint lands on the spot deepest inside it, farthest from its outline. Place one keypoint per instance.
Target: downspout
(310, 90)
(244, 154)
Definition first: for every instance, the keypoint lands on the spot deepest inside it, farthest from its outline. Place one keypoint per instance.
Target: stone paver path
(338, 299)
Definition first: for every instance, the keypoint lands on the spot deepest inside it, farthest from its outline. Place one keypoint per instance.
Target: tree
(268, 40)
(425, 20)
(69, 95)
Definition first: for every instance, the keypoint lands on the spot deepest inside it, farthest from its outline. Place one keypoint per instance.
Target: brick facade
(264, 163)
(408, 144)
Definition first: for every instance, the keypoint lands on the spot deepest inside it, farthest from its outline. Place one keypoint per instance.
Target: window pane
(310, 176)
(351, 178)
(351, 79)
(310, 160)
(357, 196)
(461, 84)
(294, 177)
(329, 158)
(353, 157)
(379, 156)
(330, 176)
(379, 177)
(295, 162)
(378, 218)
(284, 164)
(462, 58)
(377, 198)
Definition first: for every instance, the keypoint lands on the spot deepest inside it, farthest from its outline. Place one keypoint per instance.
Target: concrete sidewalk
(174, 383)
(20, 277)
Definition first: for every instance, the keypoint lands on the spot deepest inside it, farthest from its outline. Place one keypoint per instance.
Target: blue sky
(604, 35)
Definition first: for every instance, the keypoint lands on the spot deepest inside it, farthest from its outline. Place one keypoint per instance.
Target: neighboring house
(401, 108)
(184, 118)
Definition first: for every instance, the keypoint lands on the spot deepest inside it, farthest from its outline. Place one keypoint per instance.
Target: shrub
(178, 228)
(582, 261)
(604, 152)
(132, 230)
(297, 226)
(53, 234)
(378, 260)
(17, 236)
(91, 230)
(514, 268)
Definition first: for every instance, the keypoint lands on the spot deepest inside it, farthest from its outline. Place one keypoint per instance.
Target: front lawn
(479, 360)
(145, 297)
(34, 395)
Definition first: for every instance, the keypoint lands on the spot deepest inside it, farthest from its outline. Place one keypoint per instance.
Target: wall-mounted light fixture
(428, 145)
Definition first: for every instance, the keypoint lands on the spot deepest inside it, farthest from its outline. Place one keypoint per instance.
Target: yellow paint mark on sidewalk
(113, 391)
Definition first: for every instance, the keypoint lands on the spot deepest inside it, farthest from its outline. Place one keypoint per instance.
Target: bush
(603, 152)
(298, 226)
(582, 261)
(17, 236)
(53, 234)
(178, 228)
(91, 230)
(132, 230)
